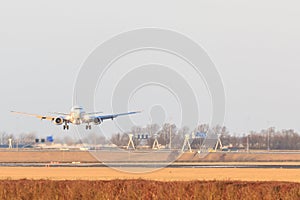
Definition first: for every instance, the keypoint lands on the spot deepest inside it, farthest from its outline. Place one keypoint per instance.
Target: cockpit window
(77, 108)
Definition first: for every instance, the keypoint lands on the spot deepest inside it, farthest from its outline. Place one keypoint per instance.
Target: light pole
(247, 143)
(170, 137)
(269, 139)
(170, 133)
(269, 128)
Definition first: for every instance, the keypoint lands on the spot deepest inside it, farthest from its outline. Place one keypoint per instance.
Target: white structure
(219, 143)
(186, 142)
(10, 143)
(155, 143)
(130, 142)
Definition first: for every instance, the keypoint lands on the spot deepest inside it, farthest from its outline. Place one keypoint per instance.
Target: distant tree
(163, 135)
(202, 128)
(152, 129)
(116, 139)
(27, 138)
(180, 136)
(3, 138)
(122, 139)
(69, 140)
(94, 139)
(58, 140)
(278, 140)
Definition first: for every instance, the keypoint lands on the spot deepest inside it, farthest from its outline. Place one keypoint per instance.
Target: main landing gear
(66, 126)
(88, 127)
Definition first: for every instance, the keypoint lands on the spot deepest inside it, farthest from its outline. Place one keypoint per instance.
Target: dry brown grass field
(166, 183)
(146, 189)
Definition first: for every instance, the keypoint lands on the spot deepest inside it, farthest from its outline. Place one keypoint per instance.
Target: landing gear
(66, 126)
(88, 127)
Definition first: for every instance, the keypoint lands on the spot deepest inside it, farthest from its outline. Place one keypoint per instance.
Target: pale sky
(254, 45)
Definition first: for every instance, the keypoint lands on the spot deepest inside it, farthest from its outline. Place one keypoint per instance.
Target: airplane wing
(93, 113)
(112, 116)
(59, 113)
(34, 115)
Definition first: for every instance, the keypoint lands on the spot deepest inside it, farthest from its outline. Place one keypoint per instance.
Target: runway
(161, 165)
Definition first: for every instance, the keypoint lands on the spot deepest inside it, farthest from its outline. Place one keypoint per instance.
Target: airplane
(77, 116)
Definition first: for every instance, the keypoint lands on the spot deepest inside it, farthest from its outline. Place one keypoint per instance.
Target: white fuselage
(77, 115)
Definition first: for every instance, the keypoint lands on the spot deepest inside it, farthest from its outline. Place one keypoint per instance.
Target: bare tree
(3, 138)
(69, 140)
(27, 138)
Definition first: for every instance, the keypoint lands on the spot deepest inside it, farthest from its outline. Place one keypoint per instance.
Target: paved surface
(156, 165)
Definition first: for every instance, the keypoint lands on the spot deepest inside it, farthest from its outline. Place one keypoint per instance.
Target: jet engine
(97, 120)
(58, 121)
